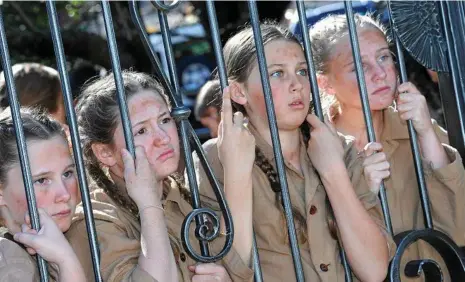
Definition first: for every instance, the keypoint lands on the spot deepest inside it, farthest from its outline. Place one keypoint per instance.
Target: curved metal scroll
(205, 231)
(418, 26)
(448, 250)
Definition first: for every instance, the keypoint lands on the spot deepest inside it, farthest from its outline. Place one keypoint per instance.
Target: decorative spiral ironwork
(448, 250)
(160, 5)
(206, 230)
(418, 26)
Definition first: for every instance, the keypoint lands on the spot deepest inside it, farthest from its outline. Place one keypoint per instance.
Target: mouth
(297, 104)
(63, 213)
(166, 155)
(381, 90)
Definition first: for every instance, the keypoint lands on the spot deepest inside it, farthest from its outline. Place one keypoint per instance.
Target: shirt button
(324, 267)
(183, 257)
(313, 210)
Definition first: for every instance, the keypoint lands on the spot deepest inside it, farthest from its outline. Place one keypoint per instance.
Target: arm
(363, 240)
(156, 256)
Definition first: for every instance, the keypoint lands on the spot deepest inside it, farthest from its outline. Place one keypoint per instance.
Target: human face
(290, 87)
(154, 129)
(378, 66)
(54, 179)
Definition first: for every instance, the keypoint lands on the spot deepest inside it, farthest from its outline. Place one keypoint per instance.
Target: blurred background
(84, 38)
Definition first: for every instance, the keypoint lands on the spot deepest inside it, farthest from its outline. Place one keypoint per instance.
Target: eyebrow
(377, 51)
(159, 116)
(282, 65)
(44, 173)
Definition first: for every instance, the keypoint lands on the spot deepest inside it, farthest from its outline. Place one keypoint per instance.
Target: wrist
(337, 170)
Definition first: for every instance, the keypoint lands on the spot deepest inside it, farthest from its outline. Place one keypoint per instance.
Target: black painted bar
(21, 142)
(73, 129)
(365, 103)
(414, 141)
(115, 64)
(254, 20)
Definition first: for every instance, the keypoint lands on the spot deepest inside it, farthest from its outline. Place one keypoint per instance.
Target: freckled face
(290, 87)
(378, 65)
(154, 129)
(55, 185)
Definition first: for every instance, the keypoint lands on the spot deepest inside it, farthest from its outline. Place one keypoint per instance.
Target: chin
(65, 225)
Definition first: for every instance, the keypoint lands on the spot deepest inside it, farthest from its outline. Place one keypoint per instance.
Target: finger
(407, 115)
(378, 176)
(331, 127)
(380, 166)
(31, 251)
(375, 158)
(238, 119)
(191, 268)
(26, 239)
(128, 162)
(142, 163)
(406, 97)
(208, 268)
(372, 148)
(407, 87)
(405, 107)
(226, 112)
(314, 121)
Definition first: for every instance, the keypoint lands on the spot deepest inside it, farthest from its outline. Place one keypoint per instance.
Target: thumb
(27, 239)
(372, 148)
(314, 121)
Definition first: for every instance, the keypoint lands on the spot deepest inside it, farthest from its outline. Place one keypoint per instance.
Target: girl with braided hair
(139, 206)
(324, 156)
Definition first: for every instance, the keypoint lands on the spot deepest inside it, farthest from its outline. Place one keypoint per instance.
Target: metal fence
(452, 84)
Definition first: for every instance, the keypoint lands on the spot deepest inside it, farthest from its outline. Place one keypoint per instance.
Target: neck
(350, 121)
(290, 143)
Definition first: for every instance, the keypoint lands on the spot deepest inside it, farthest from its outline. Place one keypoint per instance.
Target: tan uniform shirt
(119, 241)
(16, 265)
(446, 188)
(319, 253)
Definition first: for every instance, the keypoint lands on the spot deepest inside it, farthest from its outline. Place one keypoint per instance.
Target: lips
(381, 90)
(297, 104)
(166, 155)
(63, 213)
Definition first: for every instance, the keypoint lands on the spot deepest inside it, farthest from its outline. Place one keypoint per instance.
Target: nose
(296, 84)
(160, 137)
(62, 194)
(379, 73)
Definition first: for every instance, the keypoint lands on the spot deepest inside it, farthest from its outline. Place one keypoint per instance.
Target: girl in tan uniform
(139, 208)
(391, 105)
(56, 193)
(356, 209)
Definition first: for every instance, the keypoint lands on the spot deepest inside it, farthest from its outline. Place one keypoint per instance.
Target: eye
(42, 181)
(303, 72)
(278, 73)
(141, 131)
(68, 173)
(385, 57)
(166, 120)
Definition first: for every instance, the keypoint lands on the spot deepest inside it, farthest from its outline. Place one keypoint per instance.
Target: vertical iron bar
(181, 113)
(223, 76)
(453, 25)
(309, 57)
(365, 103)
(71, 117)
(21, 142)
(317, 102)
(115, 64)
(414, 139)
(254, 20)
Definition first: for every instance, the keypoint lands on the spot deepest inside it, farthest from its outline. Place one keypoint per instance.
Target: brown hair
(36, 126)
(325, 35)
(36, 85)
(240, 54)
(98, 115)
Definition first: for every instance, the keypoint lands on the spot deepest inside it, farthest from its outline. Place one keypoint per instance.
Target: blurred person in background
(207, 107)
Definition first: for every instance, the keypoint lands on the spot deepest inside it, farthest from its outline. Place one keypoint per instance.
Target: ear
(104, 154)
(238, 93)
(2, 201)
(323, 84)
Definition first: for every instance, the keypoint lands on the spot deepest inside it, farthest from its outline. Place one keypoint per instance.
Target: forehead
(48, 155)
(281, 51)
(146, 102)
(370, 41)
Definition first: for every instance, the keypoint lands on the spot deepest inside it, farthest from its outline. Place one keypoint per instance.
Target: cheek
(73, 190)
